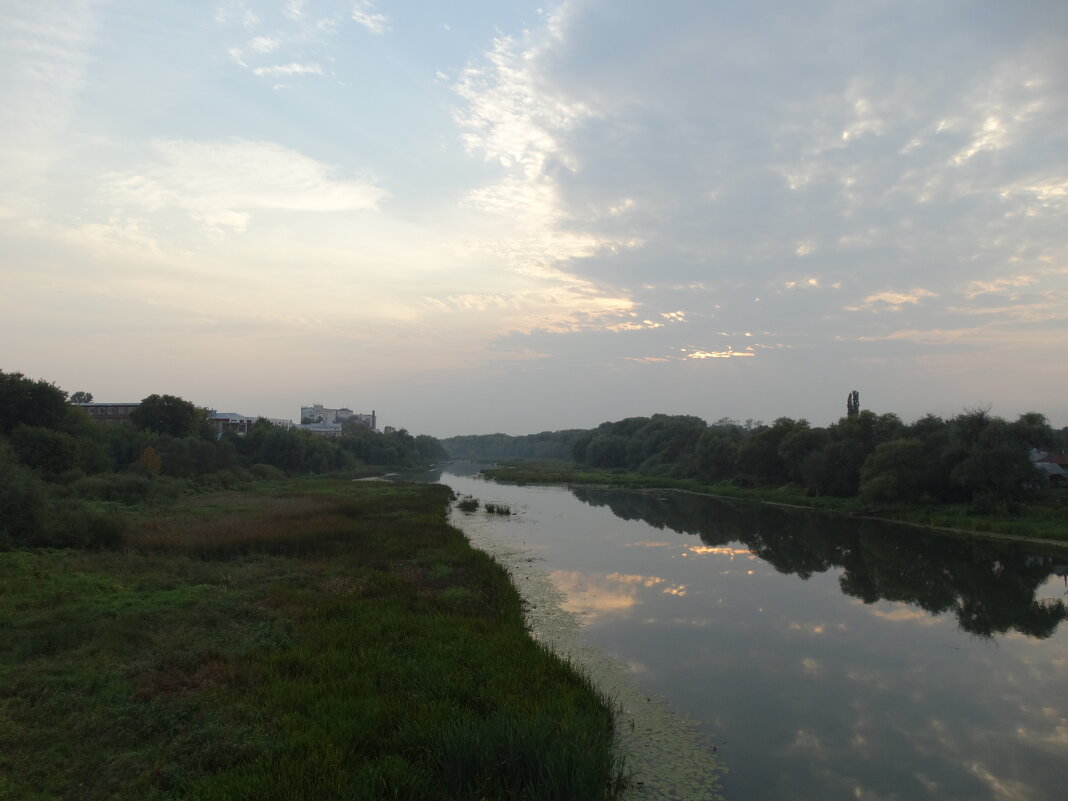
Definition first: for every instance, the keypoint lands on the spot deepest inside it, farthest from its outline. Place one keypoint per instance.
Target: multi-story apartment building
(319, 414)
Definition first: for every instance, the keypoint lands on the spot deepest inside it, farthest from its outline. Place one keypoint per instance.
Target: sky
(478, 217)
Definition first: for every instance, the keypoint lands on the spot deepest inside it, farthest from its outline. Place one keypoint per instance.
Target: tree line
(502, 447)
(974, 457)
(57, 464)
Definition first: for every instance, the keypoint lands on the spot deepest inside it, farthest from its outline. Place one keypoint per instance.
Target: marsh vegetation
(316, 639)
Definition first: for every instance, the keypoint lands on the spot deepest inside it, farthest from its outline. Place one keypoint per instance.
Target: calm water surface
(826, 658)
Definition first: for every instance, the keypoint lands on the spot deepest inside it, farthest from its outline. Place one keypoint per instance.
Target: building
(322, 429)
(114, 413)
(319, 414)
(1054, 466)
(222, 422)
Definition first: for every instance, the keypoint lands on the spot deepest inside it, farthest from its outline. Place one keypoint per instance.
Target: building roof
(1054, 458)
(214, 415)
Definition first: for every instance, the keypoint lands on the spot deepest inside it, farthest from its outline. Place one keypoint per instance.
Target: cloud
(264, 44)
(508, 120)
(364, 13)
(718, 354)
(719, 145)
(221, 183)
(289, 69)
(46, 51)
(997, 285)
(295, 8)
(893, 300)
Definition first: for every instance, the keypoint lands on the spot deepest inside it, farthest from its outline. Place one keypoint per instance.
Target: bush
(127, 487)
(267, 472)
(22, 500)
(219, 480)
(72, 524)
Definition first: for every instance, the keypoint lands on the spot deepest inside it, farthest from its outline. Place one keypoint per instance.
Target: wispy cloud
(289, 69)
(46, 51)
(997, 286)
(893, 301)
(221, 183)
(365, 14)
(264, 44)
(508, 119)
(730, 353)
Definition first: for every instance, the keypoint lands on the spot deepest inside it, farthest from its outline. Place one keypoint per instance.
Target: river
(819, 657)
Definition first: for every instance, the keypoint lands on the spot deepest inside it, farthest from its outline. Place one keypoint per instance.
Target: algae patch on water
(665, 751)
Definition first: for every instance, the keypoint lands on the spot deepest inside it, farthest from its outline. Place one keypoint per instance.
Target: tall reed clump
(468, 504)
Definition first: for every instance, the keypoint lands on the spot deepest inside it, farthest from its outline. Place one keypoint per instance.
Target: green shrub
(267, 472)
(72, 524)
(468, 504)
(128, 487)
(22, 500)
(219, 480)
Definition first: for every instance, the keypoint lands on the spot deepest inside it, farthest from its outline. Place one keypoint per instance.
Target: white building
(317, 413)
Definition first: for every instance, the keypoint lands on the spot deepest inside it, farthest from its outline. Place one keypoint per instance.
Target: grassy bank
(326, 640)
(1045, 518)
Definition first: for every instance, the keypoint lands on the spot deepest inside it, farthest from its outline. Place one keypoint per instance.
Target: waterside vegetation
(303, 639)
(973, 472)
(190, 616)
(62, 473)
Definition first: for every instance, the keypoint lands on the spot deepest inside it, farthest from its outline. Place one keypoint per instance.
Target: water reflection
(830, 658)
(596, 595)
(989, 587)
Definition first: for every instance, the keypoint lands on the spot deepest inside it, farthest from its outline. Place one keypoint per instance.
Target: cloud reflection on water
(597, 595)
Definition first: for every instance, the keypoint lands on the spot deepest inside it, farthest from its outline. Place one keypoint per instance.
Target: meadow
(310, 638)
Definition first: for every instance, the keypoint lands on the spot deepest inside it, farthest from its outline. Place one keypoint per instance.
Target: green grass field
(321, 640)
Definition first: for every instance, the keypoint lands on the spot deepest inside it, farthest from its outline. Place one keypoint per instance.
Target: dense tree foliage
(24, 401)
(974, 458)
(502, 447)
(169, 414)
(55, 461)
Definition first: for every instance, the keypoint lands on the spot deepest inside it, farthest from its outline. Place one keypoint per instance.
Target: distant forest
(975, 457)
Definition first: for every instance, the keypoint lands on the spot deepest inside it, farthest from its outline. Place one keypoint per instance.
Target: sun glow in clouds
(730, 353)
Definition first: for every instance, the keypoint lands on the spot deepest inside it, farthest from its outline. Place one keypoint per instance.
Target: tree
(796, 447)
(44, 449)
(150, 461)
(759, 454)
(717, 453)
(81, 397)
(34, 403)
(993, 466)
(852, 403)
(893, 471)
(23, 503)
(168, 414)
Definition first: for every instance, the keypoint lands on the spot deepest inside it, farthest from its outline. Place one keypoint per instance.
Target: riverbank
(311, 639)
(1045, 520)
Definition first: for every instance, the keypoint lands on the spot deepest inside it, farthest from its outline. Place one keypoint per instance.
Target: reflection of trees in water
(988, 586)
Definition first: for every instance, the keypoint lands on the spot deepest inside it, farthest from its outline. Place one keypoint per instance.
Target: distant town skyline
(514, 217)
